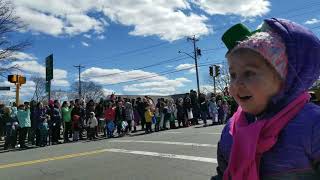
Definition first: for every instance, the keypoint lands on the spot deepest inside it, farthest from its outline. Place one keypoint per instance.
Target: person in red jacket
(75, 127)
(109, 116)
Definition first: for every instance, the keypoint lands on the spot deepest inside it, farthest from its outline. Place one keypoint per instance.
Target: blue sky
(113, 36)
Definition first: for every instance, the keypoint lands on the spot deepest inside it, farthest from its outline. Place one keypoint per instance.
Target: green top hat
(236, 34)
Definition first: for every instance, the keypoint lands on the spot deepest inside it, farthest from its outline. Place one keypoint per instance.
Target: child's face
(253, 81)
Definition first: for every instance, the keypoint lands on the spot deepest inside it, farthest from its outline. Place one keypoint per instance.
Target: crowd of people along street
(43, 125)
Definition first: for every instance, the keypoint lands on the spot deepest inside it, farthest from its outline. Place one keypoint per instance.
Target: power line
(213, 49)
(175, 59)
(112, 57)
(158, 74)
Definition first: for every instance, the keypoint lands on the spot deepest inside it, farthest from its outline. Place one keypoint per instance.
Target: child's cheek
(232, 89)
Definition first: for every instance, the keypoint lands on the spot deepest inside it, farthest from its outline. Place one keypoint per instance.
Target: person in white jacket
(92, 124)
(213, 110)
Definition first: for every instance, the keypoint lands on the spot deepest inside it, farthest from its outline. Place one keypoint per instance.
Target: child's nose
(238, 82)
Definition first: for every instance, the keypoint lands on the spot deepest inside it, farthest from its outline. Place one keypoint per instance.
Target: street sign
(49, 67)
(48, 86)
(4, 88)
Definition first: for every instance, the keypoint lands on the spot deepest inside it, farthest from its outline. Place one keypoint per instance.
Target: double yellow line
(68, 156)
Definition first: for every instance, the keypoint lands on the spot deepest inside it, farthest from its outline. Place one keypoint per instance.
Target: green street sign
(48, 86)
(4, 88)
(49, 67)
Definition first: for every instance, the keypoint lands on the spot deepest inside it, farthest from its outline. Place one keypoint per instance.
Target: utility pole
(214, 84)
(196, 50)
(79, 69)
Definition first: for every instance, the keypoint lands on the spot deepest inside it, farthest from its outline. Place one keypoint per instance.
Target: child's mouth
(244, 98)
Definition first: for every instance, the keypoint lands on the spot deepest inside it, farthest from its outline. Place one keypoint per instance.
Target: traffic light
(17, 79)
(198, 52)
(211, 71)
(12, 78)
(22, 80)
(217, 70)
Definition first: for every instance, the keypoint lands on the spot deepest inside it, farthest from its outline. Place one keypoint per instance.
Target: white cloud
(170, 20)
(312, 21)
(26, 91)
(59, 17)
(260, 25)
(40, 22)
(166, 87)
(87, 36)
(190, 67)
(107, 92)
(165, 19)
(144, 82)
(101, 37)
(22, 56)
(85, 44)
(207, 88)
(162, 18)
(60, 82)
(245, 8)
(78, 23)
(113, 76)
(34, 68)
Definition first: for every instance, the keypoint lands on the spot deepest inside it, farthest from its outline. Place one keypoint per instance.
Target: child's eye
(232, 76)
(249, 73)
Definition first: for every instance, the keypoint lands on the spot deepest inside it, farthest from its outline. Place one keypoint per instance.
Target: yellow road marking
(68, 156)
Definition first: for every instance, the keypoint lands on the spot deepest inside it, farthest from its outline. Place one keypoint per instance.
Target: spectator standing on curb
(148, 117)
(79, 111)
(213, 110)
(119, 117)
(99, 115)
(55, 122)
(188, 109)
(181, 113)
(129, 114)
(92, 124)
(136, 115)
(203, 108)
(40, 114)
(90, 107)
(109, 116)
(66, 117)
(23, 116)
(11, 126)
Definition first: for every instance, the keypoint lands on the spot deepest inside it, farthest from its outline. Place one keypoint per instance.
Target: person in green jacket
(23, 116)
(66, 117)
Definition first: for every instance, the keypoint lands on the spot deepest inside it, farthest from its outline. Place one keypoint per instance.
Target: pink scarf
(250, 141)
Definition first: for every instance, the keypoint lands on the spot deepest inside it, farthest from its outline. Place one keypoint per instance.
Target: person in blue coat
(274, 134)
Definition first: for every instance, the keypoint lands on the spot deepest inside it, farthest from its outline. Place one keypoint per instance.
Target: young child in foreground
(275, 133)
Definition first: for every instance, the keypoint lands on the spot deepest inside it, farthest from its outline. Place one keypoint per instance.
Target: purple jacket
(296, 155)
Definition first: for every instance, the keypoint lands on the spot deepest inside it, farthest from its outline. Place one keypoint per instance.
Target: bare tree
(9, 23)
(89, 90)
(59, 95)
(40, 88)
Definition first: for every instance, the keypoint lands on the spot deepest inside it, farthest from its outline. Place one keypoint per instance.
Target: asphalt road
(187, 153)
